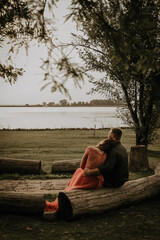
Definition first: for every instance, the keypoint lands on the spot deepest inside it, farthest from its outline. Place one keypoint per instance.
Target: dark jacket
(115, 168)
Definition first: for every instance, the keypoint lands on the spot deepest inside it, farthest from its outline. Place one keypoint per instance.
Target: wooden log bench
(63, 166)
(80, 202)
(24, 203)
(21, 166)
(28, 196)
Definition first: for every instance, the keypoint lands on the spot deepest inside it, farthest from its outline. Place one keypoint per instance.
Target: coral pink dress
(91, 159)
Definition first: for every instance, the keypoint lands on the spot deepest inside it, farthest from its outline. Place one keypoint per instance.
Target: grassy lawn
(52, 145)
(140, 221)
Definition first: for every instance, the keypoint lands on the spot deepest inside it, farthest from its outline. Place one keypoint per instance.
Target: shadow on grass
(154, 153)
(136, 175)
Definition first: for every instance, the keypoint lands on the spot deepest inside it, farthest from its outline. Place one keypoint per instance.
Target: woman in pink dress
(93, 157)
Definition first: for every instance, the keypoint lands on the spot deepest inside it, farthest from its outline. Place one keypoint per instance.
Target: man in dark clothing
(115, 169)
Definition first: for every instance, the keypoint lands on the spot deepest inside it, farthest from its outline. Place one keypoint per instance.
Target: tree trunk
(22, 166)
(65, 166)
(138, 158)
(138, 137)
(78, 202)
(21, 203)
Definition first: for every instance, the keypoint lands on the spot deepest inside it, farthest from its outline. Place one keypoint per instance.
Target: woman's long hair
(106, 145)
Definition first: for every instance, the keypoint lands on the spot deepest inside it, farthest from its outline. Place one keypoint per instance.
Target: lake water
(59, 117)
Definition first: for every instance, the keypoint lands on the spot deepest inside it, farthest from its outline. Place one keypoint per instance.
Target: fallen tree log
(21, 203)
(78, 202)
(28, 196)
(21, 166)
(65, 166)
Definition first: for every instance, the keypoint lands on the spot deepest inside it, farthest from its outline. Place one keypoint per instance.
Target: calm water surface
(59, 117)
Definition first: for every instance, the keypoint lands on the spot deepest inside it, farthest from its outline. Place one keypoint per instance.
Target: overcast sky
(27, 88)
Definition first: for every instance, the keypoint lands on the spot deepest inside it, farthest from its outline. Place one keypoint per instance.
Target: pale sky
(27, 88)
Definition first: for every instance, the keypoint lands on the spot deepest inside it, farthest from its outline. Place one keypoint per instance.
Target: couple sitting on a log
(103, 165)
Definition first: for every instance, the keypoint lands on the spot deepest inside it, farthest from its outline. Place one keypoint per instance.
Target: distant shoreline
(58, 129)
(111, 105)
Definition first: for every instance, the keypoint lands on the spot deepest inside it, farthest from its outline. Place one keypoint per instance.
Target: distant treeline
(65, 103)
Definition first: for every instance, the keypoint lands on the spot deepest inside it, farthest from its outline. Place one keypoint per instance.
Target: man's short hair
(117, 133)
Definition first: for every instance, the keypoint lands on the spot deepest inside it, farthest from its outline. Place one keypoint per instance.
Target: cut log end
(65, 207)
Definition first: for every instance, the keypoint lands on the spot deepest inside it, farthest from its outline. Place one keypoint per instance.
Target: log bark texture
(65, 166)
(138, 158)
(21, 166)
(27, 196)
(78, 202)
(21, 203)
(50, 186)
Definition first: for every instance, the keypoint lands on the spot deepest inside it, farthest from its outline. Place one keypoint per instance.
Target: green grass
(52, 145)
(139, 221)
